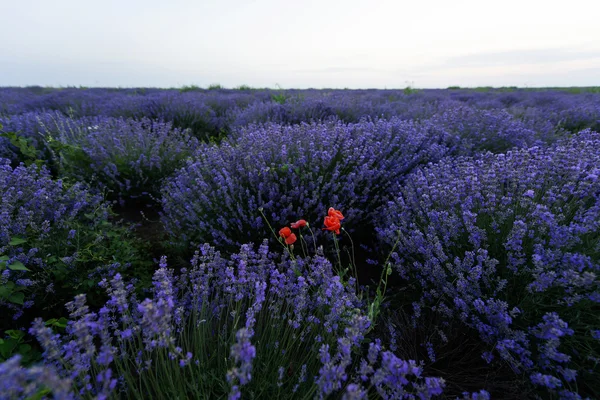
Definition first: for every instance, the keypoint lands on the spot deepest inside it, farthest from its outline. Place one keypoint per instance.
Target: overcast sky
(300, 44)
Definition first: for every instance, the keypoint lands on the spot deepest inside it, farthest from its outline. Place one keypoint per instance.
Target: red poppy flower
(285, 232)
(335, 213)
(298, 224)
(290, 239)
(332, 224)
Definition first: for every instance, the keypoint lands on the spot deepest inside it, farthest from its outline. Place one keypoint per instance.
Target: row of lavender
(70, 120)
(494, 253)
(209, 112)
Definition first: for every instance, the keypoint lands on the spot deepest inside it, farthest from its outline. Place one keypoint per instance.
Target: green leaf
(62, 323)
(15, 334)
(7, 347)
(18, 266)
(16, 241)
(52, 259)
(5, 291)
(40, 394)
(4, 258)
(17, 298)
(24, 348)
(10, 135)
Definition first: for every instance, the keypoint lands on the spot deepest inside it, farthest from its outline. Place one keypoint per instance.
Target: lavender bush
(293, 172)
(56, 240)
(47, 134)
(486, 130)
(509, 245)
(130, 157)
(7, 149)
(38, 215)
(185, 111)
(249, 324)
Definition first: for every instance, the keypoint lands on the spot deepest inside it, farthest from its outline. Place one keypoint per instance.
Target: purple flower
(548, 381)
(242, 353)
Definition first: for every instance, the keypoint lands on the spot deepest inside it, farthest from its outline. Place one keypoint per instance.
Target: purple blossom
(242, 353)
(20, 382)
(549, 381)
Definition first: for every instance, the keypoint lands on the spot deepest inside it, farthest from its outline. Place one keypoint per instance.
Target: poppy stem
(337, 250)
(313, 237)
(304, 245)
(353, 258)
(374, 307)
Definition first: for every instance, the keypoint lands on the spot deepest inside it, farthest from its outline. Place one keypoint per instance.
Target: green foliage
(61, 158)
(215, 86)
(18, 342)
(67, 160)
(12, 293)
(9, 291)
(190, 88)
(244, 87)
(409, 90)
(24, 145)
(279, 96)
(217, 137)
(77, 265)
(73, 262)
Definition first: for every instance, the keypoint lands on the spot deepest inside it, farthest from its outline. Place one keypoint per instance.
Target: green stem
(353, 259)
(380, 294)
(337, 250)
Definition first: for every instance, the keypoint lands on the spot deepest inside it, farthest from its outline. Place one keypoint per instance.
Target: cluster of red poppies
(286, 233)
(332, 223)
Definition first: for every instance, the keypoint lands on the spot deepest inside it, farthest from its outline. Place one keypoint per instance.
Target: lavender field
(269, 244)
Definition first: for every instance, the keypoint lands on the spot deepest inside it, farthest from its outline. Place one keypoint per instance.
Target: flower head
(332, 224)
(285, 232)
(332, 212)
(290, 239)
(298, 224)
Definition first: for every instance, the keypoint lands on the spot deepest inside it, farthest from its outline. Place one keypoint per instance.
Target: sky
(300, 44)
